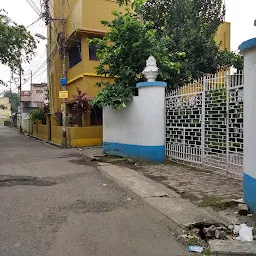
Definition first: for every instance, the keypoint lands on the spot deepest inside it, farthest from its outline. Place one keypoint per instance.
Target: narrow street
(54, 203)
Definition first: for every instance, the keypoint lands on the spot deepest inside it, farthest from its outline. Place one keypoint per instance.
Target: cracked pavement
(56, 203)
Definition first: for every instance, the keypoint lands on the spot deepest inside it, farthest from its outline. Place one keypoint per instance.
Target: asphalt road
(55, 203)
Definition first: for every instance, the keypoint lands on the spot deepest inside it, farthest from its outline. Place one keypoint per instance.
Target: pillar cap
(247, 44)
(151, 84)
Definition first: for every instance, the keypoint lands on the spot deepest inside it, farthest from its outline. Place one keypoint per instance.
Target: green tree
(16, 43)
(123, 53)
(192, 25)
(36, 114)
(14, 100)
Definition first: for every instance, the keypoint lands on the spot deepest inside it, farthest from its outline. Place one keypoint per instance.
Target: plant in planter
(80, 107)
(69, 120)
(58, 117)
(46, 110)
(36, 114)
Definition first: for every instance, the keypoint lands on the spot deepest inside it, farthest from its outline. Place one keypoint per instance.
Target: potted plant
(69, 120)
(58, 117)
(80, 107)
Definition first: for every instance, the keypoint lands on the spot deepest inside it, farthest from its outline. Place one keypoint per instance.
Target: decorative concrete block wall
(248, 49)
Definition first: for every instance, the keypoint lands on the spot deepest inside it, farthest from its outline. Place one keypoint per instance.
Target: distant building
(34, 98)
(5, 114)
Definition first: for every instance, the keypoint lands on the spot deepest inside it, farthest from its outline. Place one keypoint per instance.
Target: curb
(180, 212)
(43, 140)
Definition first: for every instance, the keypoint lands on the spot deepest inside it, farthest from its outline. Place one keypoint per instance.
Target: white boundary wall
(138, 130)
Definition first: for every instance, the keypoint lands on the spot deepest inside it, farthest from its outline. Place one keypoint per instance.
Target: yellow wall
(57, 134)
(79, 136)
(43, 132)
(74, 15)
(94, 11)
(223, 36)
(85, 136)
(5, 114)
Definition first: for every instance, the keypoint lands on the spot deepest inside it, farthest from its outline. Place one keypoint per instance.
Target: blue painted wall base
(250, 192)
(154, 154)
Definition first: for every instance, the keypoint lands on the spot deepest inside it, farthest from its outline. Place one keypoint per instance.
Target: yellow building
(223, 36)
(5, 114)
(83, 22)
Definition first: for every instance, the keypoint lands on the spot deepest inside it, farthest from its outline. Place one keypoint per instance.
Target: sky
(241, 14)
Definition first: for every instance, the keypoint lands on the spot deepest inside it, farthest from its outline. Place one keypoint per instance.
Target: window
(93, 50)
(75, 54)
(26, 104)
(96, 116)
(40, 91)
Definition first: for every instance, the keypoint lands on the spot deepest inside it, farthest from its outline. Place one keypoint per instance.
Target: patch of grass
(207, 252)
(212, 201)
(192, 241)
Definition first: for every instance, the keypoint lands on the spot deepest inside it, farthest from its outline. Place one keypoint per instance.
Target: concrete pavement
(56, 203)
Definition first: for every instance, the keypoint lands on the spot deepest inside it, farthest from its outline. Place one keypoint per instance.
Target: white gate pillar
(138, 130)
(248, 49)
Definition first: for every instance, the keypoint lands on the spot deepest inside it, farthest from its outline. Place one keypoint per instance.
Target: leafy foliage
(81, 106)
(36, 114)
(58, 117)
(227, 59)
(16, 43)
(123, 53)
(39, 114)
(192, 25)
(14, 100)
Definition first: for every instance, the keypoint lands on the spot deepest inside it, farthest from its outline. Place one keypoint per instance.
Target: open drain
(10, 181)
(208, 231)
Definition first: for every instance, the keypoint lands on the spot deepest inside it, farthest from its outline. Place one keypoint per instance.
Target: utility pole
(31, 84)
(64, 79)
(10, 89)
(20, 73)
(11, 77)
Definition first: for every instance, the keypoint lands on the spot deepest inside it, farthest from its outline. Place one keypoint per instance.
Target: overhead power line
(34, 6)
(34, 22)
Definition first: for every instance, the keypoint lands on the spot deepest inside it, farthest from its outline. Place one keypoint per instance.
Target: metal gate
(204, 123)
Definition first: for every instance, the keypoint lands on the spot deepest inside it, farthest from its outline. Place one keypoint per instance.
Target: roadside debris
(198, 249)
(236, 229)
(245, 233)
(208, 231)
(243, 209)
(161, 195)
(238, 201)
(131, 161)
